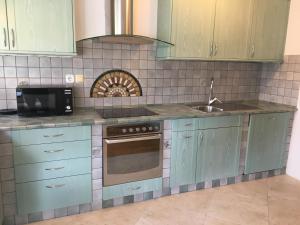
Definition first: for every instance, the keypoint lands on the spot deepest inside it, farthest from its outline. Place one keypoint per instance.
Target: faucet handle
(218, 100)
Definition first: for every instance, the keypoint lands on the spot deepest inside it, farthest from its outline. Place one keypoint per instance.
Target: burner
(124, 112)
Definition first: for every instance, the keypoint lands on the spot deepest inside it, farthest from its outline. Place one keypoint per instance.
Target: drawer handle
(137, 188)
(54, 151)
(188, 124)
(187, 137)
(55, 186)
(57, 168)
(54, 136)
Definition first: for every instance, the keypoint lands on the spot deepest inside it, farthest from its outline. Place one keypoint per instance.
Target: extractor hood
(118, 21)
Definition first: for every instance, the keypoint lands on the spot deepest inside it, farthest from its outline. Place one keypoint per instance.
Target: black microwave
(44, 101)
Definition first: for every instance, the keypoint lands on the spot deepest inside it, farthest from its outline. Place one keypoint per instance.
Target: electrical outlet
(70, 78)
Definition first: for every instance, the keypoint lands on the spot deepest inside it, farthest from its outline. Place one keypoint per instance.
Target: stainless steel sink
(208, 108)
(223, 107)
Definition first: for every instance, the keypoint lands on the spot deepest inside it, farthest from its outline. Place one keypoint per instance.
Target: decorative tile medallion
(116, 83)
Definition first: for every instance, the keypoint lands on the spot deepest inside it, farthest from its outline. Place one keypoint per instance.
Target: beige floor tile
(273, 201)
(216, 221)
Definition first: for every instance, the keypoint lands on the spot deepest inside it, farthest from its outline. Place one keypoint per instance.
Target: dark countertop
(89, 116)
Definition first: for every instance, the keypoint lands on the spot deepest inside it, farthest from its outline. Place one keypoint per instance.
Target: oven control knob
(150, 128)
(124, 131)
(144, 129)
(137, 129)
(130, 130)
(68, 107)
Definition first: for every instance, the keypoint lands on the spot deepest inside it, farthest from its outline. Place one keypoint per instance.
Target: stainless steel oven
(132, 152)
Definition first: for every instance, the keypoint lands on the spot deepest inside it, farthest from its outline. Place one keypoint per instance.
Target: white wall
(293, 36)
(293, 48)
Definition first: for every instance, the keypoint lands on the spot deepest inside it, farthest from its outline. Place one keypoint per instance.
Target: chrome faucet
(212, 98)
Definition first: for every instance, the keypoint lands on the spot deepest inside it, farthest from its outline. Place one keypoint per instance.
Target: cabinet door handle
(136, 188)
(188, 124)
(5, 37)
(54, 151)
(55, 186)
(201, 137)
(13, 41)
(216, 49)
(252, 50)
(53, 169)
(211, 49)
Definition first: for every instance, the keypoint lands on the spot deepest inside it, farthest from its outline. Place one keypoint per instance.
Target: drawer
(50, 135)
(219, 122)
(52, 194)
(50, 170)
(184, 124)
(50, 152)
(132, 188)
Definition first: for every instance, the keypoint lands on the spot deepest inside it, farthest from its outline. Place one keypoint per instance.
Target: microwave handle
(145, 138)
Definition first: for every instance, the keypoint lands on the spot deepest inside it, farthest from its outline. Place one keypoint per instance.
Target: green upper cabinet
(40, 26)
(191, 42)
(238, 30)
(183, 164)
(269, 27)
(218, 153)
(4, 45)
(232, 27)
(266, 142)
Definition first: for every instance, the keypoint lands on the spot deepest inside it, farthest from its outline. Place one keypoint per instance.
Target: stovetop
(109, 113)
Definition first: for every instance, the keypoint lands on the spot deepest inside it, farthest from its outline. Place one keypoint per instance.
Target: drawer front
(50, 152)
(184, 124)
(51, 170)
(219, 122)
(132, 188)
(52, 194)
(50, 135)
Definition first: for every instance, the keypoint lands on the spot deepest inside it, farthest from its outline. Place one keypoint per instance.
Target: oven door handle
(145, 138)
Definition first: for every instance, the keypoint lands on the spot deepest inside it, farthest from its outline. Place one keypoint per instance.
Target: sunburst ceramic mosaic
(116, 83)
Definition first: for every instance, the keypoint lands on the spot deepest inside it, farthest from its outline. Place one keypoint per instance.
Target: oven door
(132, 159)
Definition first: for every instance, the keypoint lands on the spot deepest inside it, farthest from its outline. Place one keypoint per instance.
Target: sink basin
(224, 107)
(208, 108)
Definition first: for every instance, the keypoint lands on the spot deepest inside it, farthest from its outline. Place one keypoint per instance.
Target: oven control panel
(132, 129)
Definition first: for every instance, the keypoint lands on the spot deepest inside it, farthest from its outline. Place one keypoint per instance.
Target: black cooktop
(109, 113)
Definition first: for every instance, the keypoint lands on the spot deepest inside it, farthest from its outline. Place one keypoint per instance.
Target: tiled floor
(273, 201)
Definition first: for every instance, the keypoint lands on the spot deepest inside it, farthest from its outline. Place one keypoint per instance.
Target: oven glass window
(131, 157)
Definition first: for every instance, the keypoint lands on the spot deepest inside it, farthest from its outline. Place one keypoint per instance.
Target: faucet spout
(212, 98)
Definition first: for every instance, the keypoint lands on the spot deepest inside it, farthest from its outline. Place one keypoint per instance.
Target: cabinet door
(270, 18)
(1, 209)
(218, 153)
(266, 142)
(4, 43)
(44, 26)
(232, 29)
(183, 158)
(192, 28)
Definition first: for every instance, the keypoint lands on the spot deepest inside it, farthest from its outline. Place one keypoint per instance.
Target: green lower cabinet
(266, 142)
(1, 209)
(133, 188)
(54, 169)
(218, 153)
(210, 151)
(183, 155)
(52, 194)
